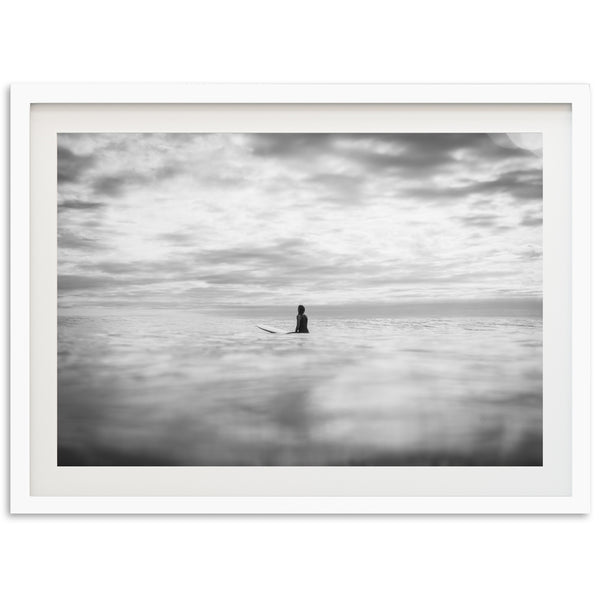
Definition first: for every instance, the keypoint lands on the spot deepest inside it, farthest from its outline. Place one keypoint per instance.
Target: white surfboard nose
(269, 329)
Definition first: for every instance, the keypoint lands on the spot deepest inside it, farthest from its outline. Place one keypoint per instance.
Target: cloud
(82, 282)
(116, 184)
(479, 221)
(224, 218)
(403, 280)
(276, 248)
(73, 240)
(530, 253)
(531, 142)
(115, 281)
(126, 267)
(523, 185)
(405, 153)
(79, 205)
(293, 145)
(353, 169)
(72, 166)
(176, 238)
(530, 221)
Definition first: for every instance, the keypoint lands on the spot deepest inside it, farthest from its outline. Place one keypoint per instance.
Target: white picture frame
(27, 425)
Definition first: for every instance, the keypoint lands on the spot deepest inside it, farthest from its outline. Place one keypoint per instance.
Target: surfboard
(273, 330)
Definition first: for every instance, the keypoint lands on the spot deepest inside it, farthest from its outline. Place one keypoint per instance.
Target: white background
(297, 557)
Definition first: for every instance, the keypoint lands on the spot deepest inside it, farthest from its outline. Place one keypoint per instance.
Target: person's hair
(301, 309)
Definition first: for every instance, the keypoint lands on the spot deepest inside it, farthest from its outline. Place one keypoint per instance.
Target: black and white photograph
(300, 299)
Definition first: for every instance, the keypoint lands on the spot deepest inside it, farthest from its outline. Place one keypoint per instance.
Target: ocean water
(180, 388)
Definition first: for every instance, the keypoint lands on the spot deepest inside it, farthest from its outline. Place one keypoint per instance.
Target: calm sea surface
(177, 388)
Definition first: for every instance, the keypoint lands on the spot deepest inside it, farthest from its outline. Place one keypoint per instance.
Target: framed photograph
(300, 298)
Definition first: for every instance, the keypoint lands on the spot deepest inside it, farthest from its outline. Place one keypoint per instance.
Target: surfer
(301, 321)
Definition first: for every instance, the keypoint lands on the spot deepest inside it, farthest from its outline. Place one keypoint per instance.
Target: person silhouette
(301, 321)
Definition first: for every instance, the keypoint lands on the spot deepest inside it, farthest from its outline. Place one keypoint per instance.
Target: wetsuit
(301, 324)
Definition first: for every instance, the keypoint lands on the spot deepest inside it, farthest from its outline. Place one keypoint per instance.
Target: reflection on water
(180, 389)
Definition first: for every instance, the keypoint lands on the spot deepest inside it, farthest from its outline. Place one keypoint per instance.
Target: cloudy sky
(214, 220)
